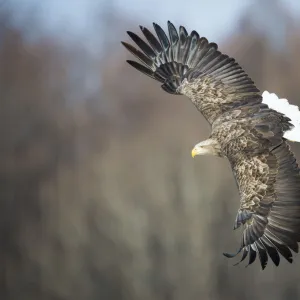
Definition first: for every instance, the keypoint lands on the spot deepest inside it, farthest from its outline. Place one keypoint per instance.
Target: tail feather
(289, 110)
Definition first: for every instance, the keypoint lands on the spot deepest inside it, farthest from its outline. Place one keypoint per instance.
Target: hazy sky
(212, 17)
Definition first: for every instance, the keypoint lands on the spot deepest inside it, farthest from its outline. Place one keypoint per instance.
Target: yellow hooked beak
(194, 152)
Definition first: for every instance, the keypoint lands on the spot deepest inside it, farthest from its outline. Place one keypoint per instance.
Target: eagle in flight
(249, 128)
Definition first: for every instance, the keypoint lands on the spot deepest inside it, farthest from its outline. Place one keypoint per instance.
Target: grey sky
(214, 18)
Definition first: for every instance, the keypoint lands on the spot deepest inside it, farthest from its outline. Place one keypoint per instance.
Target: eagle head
(207, 147)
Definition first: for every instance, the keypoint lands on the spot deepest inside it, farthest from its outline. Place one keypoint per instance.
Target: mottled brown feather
(273, 201)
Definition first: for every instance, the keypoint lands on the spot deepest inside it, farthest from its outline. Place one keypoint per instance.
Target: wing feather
(275, 229)
(191, 65)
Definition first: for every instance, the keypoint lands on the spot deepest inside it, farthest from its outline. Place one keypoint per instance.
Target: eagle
(249, 128)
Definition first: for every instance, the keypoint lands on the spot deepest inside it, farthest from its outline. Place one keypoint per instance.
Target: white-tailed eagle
(249, 128)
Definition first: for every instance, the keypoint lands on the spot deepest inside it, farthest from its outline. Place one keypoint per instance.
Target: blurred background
(100, 198)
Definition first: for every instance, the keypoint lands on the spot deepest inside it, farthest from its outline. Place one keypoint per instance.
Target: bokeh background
(100, 198)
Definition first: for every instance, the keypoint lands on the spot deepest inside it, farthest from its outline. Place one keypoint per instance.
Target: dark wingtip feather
(252, 256)
(232, 255)
(156, 46)
(140, 55)
(142, 45)
(162, 36)
(263, 257)
(245, 253)
(229, 255)
(183, 31)
(274, 255)
(141, 68)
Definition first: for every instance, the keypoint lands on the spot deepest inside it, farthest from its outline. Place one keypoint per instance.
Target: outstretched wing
(188, 64)
(269, 186)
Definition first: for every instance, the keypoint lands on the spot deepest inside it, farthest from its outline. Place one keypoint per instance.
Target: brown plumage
(244, 130)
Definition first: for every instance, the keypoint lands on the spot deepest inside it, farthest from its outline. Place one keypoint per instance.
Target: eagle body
(248, 128)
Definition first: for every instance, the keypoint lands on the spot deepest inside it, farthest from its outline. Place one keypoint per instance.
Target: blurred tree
(99, 196)
(270, 19)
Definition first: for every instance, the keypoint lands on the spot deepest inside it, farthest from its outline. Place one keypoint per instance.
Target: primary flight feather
(248, 128)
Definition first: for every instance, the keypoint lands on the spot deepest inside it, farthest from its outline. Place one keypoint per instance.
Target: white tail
(291, 111)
